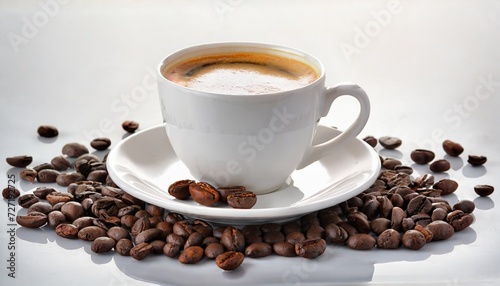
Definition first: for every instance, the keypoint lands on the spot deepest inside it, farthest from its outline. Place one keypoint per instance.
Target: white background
(431, 69)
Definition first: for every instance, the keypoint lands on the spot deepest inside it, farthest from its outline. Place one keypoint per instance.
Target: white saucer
(144, 165)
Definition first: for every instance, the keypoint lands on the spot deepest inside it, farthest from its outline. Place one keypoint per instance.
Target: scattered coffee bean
(65, 179)
(102, 245)
(203, 193)
(229, 260)
(422, 156)
(447, 186)
(180, 189)
(74, 150)
(47, 176)
(389, 239)
(310, 248)
(242, 200)
(26, 200)
(372, 141)
(413, 239)
(32, 220)
(226, 191)
(391, 163)
(191, 255)
(28, 174)
(389, 142)
(484, 190)
(452, 148)
(258, 249)
(130, 126)
(100, 143)
(60, 163)
(361, 241)
(41, 207)
(90, 233)
(440, 165)
(123, 246)
(441, 230)
(141, 251)
(10, 193)
(19, 161)
(55, 218)
(67, 230)
(47, 131)
(213, 250)
(475, 160)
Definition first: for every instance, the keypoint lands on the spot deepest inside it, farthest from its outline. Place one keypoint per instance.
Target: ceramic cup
(256, 141)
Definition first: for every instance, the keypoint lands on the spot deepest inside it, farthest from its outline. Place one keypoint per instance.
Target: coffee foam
(241, 73)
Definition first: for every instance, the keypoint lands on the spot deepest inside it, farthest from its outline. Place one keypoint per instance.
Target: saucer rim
(231, 215)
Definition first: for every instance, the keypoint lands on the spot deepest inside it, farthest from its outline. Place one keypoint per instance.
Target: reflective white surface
(431, 69)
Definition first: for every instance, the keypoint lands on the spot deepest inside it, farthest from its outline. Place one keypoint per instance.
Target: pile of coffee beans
(398, 210)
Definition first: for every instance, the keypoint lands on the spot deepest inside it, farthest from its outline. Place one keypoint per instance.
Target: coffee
(241, 73)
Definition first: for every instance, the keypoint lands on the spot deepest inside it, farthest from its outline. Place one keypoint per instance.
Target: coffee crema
(242, 73)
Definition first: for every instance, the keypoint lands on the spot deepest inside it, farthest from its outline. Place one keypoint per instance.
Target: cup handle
(317, 151)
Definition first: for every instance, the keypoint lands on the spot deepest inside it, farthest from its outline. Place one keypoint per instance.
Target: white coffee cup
(256, 141)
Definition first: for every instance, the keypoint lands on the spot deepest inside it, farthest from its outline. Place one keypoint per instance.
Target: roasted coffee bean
(130, 126)
(174, 217)
(117, 233)
(290, 227)
(28, 174)
(404, 169)
(310, 248)
(209, 240)
(391, 163)
(47, 131)
(242, 200)
(176, 239)
(157, 246)
(389, 142)
(26, 200)
(42, 192)
(180, 189)
(407, 224)
(413, 239)
(10, 193)
(475, 160)
(258, 249)
(361, 241)
(67, 230)
(484, 190)
(371, 209)
(191, 255)
(380, 225)
(123, 246)
(83, 221)
(459, 220)
(142, 214)
(426, 232)
(440, 165)
(141, 251)
(171, 249)
(166, 227)
(57, 197)
(426, 180)
(150, 235)
(464, 205)
(60, 163)
(183, 228)
(452, 148)
(229, 260)
(422, 156)
(98, 176)
(72, 210)
(441, 230)
(65, 179)
(140, 225)
(128, 220)
(101, 143)
(447, 186)
(74, 150)
(41, 207)
(438, 214)
(295, 237)
(372, 141)
(397, 217)
(272, 237)
(32, 220)
(226, 191)
(284, 248)
(213, 250)
(47, 176)
(21, 161)
(102, 244)
(335, 234)
(203, 193)
(195, 239)
(359, 221)
(419, 204)
(233, 239)
(90, 233)
(389, 239)
(43, 166)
